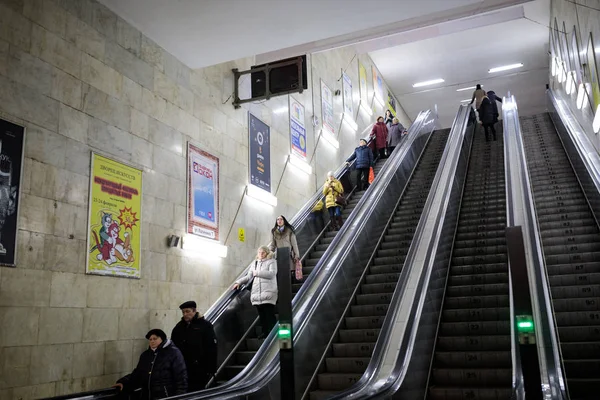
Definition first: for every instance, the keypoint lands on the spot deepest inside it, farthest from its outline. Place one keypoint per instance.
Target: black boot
(333, 225)
(340, 221)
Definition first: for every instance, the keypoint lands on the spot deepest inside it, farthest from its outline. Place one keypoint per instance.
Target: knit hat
(158, 332)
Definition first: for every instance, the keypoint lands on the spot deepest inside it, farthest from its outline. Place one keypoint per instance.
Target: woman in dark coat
(160, 372)
(380, 133)
(395, 135)
(486, 115)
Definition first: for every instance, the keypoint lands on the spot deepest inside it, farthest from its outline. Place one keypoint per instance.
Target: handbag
(298, 269)
(340, 200)
(371, 175)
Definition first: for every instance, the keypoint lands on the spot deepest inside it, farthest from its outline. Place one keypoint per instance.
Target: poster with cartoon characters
(203, 193)
(11, 164)
(297, 128)
(114, 240)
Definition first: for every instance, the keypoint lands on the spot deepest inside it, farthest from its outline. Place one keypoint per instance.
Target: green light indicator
(284, 332)
(525, 325)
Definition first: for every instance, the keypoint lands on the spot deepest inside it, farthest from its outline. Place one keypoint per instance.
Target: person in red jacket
(380, 133)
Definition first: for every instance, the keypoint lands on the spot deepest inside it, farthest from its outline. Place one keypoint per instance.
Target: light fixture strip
(467, 88)
(428, 83)
(505, 68)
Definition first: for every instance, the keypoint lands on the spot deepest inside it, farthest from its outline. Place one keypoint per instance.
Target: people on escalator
(389, 119)
(379, 133)
(364, 161)
(195, 338)
(262, 275)
(334, 197)
(284, 235)
(395, 135)
(486, 115)
(315, 218)
(478, 95)
(160, 371)
(493, 99)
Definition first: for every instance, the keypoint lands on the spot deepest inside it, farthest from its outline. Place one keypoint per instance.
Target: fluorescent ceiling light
(330, 139)
(427, 83)
(204, 246)
(350, 122)
(300, 164)
(262, 195)
(505, 68)
(467, 88)
(465, 100)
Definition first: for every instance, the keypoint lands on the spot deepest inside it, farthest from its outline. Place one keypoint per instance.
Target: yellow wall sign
(241, 235)
(114, 221)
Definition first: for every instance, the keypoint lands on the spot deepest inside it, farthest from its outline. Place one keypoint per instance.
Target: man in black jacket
(195, 337)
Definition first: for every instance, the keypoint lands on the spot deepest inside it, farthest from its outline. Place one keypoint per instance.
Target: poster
(114, 220)
(593, 73)
(574, 55)
(260, 153)
(202, 193)
(327, 108)
(377, 85)
(347, 91)
(362, 83)
(391, 103)
(11, 167)
(297, 128)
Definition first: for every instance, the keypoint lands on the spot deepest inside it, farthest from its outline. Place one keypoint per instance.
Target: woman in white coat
(263, 275)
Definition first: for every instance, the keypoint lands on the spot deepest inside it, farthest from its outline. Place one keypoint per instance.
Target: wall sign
(327, 108)
(12, 138)
(114, 220)
(347, 91)
(297, 128)
(260, 153)
(202, 193)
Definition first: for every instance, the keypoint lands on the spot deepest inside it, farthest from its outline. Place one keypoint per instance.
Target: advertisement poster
(391, 103)
(202, 193)
(260, 153)
(11, 166)
(593, 73)
(377, 84)
(327, 108)
(347, 90)
(114, 239)
(362, 83)
(297, 128)
(574, 55)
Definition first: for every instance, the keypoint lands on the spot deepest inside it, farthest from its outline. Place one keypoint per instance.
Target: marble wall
(81, 79)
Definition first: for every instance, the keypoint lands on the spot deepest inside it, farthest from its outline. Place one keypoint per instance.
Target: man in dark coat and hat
(196, 339)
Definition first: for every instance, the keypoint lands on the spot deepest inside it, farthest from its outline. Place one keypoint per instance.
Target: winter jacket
(287, 238)
(395, 135)
(486, 112)
(264, 284)
(331, 190)
(159, 373)
(477, 97)
(198, 344)
(363, 156)
(493, 99)
(380, 133)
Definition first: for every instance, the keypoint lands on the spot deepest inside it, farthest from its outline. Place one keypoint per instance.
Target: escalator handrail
(219, 306)
(520, 211)
(245, 382)
(365, 387)
(91, 395)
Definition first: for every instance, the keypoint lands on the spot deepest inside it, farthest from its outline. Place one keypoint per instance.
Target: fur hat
(158, 332)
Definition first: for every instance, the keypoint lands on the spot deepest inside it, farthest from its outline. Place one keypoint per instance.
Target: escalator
(571, 246)
(353, 344)
(250, 342)
(472, 357)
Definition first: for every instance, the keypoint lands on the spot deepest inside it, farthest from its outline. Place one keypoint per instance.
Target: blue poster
(260, 153)
(297, 128)
(203, 193)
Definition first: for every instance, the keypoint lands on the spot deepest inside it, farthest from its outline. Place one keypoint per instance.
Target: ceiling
(207, 32)
(463, 58)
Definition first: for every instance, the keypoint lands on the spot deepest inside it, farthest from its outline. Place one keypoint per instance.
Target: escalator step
(475, 328)
(579, 268)
(477, 301)
(473, 359)
(448, 393)
(473, 343)
(347, 364)
(479, 269)
(369, 322)
(475, 314)
(353, 349)
(337, 382)
(479, 377)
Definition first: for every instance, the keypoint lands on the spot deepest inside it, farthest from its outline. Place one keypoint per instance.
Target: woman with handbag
(283, 235)
(334, 199)
(263, 295)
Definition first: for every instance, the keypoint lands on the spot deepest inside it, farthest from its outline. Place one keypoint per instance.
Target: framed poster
(391, 103)
(347, 92)
(260, 153)
(593, 73)
(297, 128)
(327, 108)
(202, 193)
(362, 83)
(114, 239)
(12, 139)
(377, 84)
